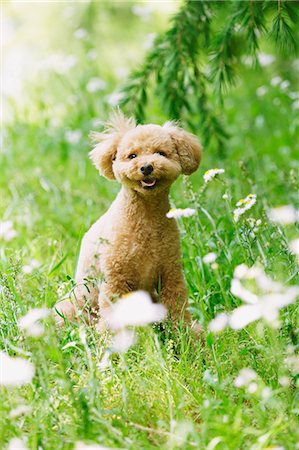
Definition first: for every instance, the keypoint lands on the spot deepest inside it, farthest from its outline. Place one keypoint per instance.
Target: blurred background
(64, 68)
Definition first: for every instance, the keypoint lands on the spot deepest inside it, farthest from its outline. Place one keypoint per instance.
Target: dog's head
(146, 158)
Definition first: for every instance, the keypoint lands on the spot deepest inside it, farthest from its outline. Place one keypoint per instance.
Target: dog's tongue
(148, 182)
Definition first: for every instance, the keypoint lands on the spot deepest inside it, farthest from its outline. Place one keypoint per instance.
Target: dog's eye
(162, 154)
(132, 156)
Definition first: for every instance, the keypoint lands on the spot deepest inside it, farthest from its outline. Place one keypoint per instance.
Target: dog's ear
(105, 150)
(187, 147)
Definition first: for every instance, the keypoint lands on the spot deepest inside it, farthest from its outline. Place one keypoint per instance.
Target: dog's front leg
(114, 287)
(174, 292)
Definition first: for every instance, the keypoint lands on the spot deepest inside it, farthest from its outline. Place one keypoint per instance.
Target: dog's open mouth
(148, 183)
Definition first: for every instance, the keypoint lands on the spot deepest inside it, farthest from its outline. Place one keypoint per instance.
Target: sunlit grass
(169, 390)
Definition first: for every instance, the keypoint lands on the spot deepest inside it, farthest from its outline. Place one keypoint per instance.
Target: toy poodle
(134, 246)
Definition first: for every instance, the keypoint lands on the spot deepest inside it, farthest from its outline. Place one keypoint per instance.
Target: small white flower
(95, 85)
(265, 60)
(275, 81)
(122, 341)
(292, 363)
(244, 205)
(73, 136)
(294, 246)
(284, 381)
(92, 54)
(219, 323)
(15, 371)
(206, 403)
(29, 268)
(284, 85)
(115, 98)
(261, 91)
(284, 215)
(81, 33)
(252, 387)
(16, 444)
(175, 213)
(295, 104)
(135, 309)
(210, 174)
(209, 258)
(29, 322)
(142, 11)
(20, 411)
(7, 233)
(244, 294)
(266, 393)
(225, 196)
(274, 296)
(245, 377)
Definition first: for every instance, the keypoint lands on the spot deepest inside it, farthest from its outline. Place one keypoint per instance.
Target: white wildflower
(16, 444)
(295, 104)
(92, 54)
(206, 403)
(225, 196)
(244, 205)
(175, 213)
(252, 387)
(20, 410)
(276, 80)
(29, 268)
(142, 11)
(81, 33)
(95, 85)
(219, 323)
(73, 136)
(294, 246)
(30, 322)
(259, 121)
(265, 59)
(266, 305)
(261, 91)
(7, 232)
(123, 340)
(284, 215)
(292, 363)
(244, 294)
(135, 309)
(15, 371)
(284, 85)
(115, 98)
(209, 258)
(212, 173)
(245, 377)
(284, 381)
(266, 393)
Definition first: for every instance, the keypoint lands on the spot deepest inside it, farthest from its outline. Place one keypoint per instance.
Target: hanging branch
(171, 67)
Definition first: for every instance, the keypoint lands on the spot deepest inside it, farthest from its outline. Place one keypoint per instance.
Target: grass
(165, 392)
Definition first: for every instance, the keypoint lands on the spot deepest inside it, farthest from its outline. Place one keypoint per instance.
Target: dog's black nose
(147, 169)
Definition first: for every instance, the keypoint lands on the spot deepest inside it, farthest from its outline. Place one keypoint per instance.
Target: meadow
(237, 386)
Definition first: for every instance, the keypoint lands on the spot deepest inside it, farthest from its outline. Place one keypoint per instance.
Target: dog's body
(134, 245)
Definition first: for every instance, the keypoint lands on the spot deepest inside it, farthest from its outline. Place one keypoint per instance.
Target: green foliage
(197, 38)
